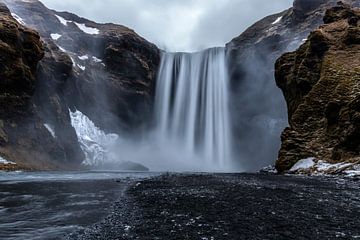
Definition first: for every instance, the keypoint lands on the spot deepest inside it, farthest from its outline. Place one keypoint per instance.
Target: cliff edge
(320, 82)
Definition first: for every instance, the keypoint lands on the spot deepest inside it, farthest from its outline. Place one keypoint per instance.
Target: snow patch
(324, 166)
(277, 20)
(62, 20)
(88, 30)
(81, 67)
(18, 19)
(93, 141)
(6, 162)
(81, 26)
(316, 167)
(72, 59)
(61, 48)
(55, 36)
(85, 57)
(97, 60)
(269, 169)
(51, 130)
(303, 164)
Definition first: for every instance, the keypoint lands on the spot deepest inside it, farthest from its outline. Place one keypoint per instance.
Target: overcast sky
(177, 25)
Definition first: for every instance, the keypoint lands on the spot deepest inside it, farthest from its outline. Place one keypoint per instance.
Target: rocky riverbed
(233, 206)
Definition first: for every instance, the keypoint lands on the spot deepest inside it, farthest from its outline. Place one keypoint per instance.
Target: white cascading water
(191, 107)
(192, 131)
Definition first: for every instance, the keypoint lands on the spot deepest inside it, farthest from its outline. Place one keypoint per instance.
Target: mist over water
(191, 130)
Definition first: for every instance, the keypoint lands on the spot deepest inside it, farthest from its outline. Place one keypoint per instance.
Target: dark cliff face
(112, 77)
(106, 71)
(24, 138)
(320, 85)
(257, 105)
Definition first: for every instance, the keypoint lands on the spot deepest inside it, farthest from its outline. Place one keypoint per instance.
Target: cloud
(177, 25)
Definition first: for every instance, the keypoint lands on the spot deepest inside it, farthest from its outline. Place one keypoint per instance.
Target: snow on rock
(51, 130)
(269, 169)
(72, 59)
(5, 162)
(277, 20)
(81, 26)
(316, 167)
(62, 20)
(55, 36)
(70, 55)
(88, 30)
(61, 48)
(322, 166)
(303, 164)
(85, 57)
(81, 67)
(18, 19)
(93, 141)
(97, 60)
(352, 173)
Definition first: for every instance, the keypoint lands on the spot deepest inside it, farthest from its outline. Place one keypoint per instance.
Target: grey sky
(177, 25)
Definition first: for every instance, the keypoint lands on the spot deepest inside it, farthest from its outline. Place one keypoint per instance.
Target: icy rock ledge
(94, 142)
(313, 166)
(269, 170)
(5, 162)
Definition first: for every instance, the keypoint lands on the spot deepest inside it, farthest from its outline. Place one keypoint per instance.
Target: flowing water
(51, 205)
(191, 106)
(192, 126)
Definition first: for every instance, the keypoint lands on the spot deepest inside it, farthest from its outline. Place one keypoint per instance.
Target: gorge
(106, 135)
(219, 109)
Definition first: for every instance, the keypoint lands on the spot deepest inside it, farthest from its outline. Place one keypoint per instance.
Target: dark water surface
(110, 205)
(52, 205)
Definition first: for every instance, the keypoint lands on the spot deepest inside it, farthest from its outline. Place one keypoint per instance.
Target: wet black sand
(233, 206)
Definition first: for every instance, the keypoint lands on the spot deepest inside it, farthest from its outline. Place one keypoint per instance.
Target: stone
(323, 116)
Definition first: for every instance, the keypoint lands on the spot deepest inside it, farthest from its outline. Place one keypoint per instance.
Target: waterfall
(191, 106)
(192, 125)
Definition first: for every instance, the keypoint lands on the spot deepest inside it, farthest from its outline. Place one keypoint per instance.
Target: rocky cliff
(257, 105)
(320, 82)
(24, 137)
(112, 69)
(106, 71)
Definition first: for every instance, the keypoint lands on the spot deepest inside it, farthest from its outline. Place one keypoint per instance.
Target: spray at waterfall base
(192, 124)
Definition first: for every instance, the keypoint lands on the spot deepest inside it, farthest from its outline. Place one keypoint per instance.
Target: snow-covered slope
(94, 142)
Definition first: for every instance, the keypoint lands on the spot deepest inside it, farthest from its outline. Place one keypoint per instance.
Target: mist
(179, 25)
(257, 107)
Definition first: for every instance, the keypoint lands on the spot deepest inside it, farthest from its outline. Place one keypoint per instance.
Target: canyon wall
(105, 71)
(320, 82)
(258, 108)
